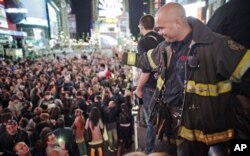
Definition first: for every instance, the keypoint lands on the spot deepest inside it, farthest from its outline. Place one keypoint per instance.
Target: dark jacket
(125, 117)
(232, 19)
(110, 118)
(207, 111)
(7, 142)
(146, 43)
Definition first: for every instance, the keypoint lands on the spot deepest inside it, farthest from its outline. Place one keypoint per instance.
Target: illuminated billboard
(110, 8)
(3, 20)
(36, 12)
(53, 21)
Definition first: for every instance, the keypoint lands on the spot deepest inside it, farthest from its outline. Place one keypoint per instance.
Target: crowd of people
(48, 103)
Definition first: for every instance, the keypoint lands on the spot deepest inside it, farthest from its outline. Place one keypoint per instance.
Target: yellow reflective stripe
(241, 68)
(160, 83)
(198, 135)
(209, 89)
(150, 60)
(131, 59)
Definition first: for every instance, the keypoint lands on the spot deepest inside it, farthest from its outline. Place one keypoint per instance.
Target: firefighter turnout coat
(208, 114)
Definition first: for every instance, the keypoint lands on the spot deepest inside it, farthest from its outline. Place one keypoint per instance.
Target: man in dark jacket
(11, 136)
(196, 69)
(147, 81)
(66, 133)
(111, 114)
(232, 19)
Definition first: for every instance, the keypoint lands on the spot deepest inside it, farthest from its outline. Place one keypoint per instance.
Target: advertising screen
(3, 21)
(36, 14)
(110, 8)
(53, 22)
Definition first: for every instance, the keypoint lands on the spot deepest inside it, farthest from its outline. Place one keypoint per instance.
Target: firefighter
(196, 67)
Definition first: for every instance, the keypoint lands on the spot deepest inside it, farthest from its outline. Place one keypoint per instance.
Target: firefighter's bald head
(171, 22)
(172, 11)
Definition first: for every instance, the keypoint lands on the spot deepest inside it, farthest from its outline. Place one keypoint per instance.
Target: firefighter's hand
(138, 92)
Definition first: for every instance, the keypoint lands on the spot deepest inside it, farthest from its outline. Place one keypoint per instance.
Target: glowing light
(16, 10)
(192, 9)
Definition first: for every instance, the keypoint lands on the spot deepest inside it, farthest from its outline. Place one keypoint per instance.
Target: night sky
(83, 9)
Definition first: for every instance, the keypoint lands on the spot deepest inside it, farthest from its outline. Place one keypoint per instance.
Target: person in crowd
(68, 84)
(111, 114)
(125, 128)
(5, 94)
(67, 135)
(16, 104)
(103, 70)
(26, 111)
(195, 105)
(94, 122)
(52, 88)
(5, 116)
(147, 80)
(68, 100)
(52, 143)
(22, 149)
(43, 121)
(19, 83)
(23, 125)
(128, 98)
(120, 83)
(117, 97)
(35, 95)
(78, 127)
(47, 102)
(81, 87)
(97, 103)
(55, 113)
(68, 117)
(106, 96)
(91, 95)
(81, 102)
(35, 119)
(11, 136)
(23, 88)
